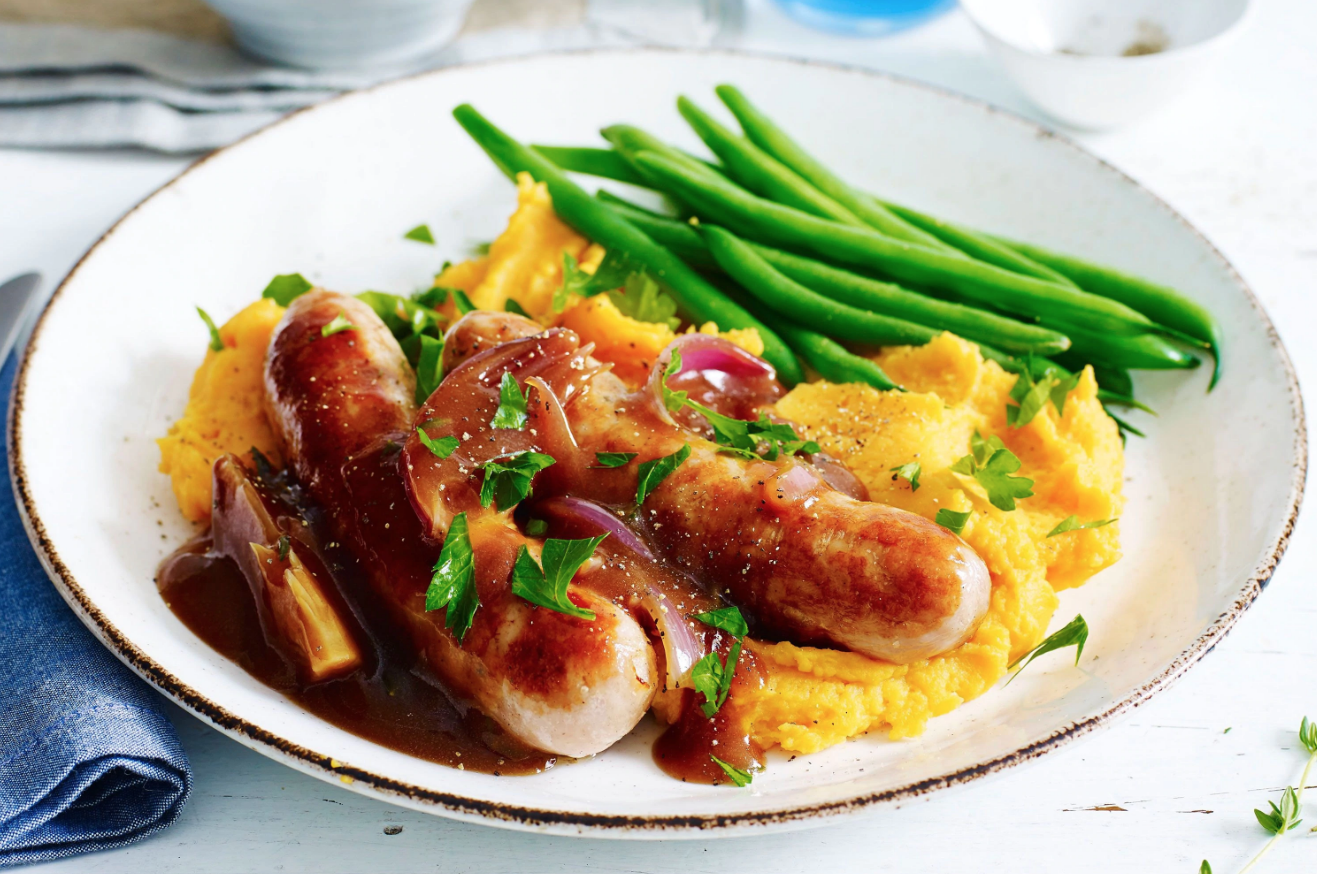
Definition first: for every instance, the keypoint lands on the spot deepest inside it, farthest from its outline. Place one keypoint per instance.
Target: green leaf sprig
(738, 776)
(286, 288)
(508, 482)
(337, 325)
(991, 464)
(673, 400)
(1285, 817)
(421, 234)
(216, 341)
(429, 366)
(441, 448)
(1075, 634)
(610, 460)
(656, 471)
(953, 520)
(641, 299)
(511, 306)
(511, 412)
(461, 301)
(453, 585)
(1030, 397)
(712, 676)
(546, 585)
(1071, 523)
(910, 473)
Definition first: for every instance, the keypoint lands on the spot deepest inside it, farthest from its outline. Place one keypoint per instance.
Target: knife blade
(16, 298)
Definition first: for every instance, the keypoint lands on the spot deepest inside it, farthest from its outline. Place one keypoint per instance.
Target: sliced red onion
(718, 373)
(681, 648)
(596, 517)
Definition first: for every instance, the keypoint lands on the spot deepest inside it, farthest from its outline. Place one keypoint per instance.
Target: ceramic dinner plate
(1212, 492)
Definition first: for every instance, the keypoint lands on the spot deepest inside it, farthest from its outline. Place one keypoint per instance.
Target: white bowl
(342, 34)
(1099, 64)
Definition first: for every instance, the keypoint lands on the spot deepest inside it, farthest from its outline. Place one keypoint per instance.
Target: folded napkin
(87, 760)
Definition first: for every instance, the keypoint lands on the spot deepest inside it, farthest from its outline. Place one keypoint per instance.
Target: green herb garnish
(285, 544)
(433, 297)
(574, 281)
(511, 306)
(735, 774)
(404, 317)
(338, 325)
(654, 472)
(429, 367)
(991, 464)
(454, 582)
(216, 341)
(547, 585)
(609, 460)
(421, 234)
(1074, 634)
(461, 301)
(1279, 820)
(442, 448)
(712, 678)
(952, 520)
(478, 249)
(727, 619)
(508, 482)
(286, 288)
(641, 299)
(910, 473)
(511, 412)
(673, 400)
(751, 439)
(1071, 523)
(537, 528)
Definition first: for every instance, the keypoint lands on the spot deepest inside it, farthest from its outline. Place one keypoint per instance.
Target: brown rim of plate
(511, 815)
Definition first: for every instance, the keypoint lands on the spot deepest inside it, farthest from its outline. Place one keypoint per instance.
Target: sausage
(808, 563)
(342, 408)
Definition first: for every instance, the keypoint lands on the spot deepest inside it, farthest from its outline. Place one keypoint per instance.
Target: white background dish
(330, 193)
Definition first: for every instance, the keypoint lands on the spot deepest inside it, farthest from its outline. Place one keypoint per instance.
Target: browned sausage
(342, 407)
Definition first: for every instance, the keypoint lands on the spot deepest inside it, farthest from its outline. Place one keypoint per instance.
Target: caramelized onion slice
(681, 648)
(591, 519)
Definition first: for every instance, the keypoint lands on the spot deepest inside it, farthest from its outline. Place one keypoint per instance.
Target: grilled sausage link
(809, 563)
(343, 406)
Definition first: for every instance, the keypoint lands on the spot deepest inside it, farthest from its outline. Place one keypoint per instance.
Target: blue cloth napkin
(87, 760)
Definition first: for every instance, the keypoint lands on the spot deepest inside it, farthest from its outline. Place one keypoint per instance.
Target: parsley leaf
(991, 464)
(952, 520)
(429, 367)
(673, 400)
(454, 582)
(403, 317)
(508, 482)
(1030, 397)
(735, 774)
(285, 544)
(286, 288)
(442, 448)
(654, 472)
(743, 438)
(1074, 634)
(511, 306)
(547, 585)
(608, 460)
(216, 341)
(537, 528)
(910, 473)
(461, 301)
(727, 619)
(511, 412)
(712, 678)
(421, 234)
(1062, 389)
(338, 325)
(432, 297)
(612, 272)
(641, 299)
(1071, 523)
(574, 281)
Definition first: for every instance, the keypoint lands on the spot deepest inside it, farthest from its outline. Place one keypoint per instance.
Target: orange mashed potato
(811, 698)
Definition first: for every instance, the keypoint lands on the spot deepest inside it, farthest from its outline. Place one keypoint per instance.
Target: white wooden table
(1163, 789)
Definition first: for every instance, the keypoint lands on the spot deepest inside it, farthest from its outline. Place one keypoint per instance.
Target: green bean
(1145, 352)
(763, 133)
(758, 171)
(605, 163)
(1163, 305)
(804, 307)
(982, 284)
(629, 141)
(696, 297)
(978, 245)
(830, 359)
(858, 291)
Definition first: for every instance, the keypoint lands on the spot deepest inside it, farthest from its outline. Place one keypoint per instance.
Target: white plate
(329, 192)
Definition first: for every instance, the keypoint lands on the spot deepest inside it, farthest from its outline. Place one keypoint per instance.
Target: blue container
(864, 17)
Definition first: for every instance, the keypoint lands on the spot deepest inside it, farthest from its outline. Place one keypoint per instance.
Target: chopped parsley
(952, 520)
(508, 482)
(285, 544)
(711, 676)
(547, 585)
(511, 306)
(747, 439)
(673, 400)
(461, 301)
(429, 366)
(574, 281)
(216, 341)
(421, 234)
(612, 273)
(608, 460)
(991, 464)
(404, 317)
(656, 471)
(454, 582)
(511, 412)
(1071, 523)
(537, 528)
(1030, 397)
(735, 774)
(727, 619)
(442, 448)
(433, 297)
(1073, 634)
(641, 299)
(910, 473)
(286, 288)
(338, 325)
